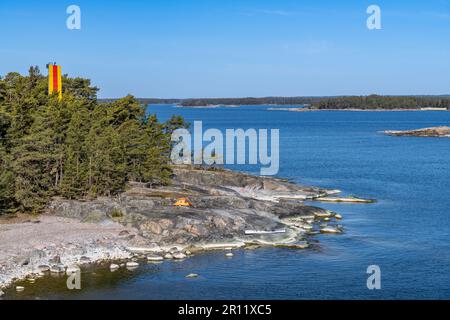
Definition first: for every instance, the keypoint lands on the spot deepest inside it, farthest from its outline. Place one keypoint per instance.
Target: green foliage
(76, 147)
(7, 202)
(116, 213)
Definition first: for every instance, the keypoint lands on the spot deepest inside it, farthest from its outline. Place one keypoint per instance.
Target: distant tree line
(147, 101)
(249, 101)
(337, 102)
(382, 102)
(76, 147)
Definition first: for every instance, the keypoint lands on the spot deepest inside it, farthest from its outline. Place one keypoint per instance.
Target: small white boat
(248, 232)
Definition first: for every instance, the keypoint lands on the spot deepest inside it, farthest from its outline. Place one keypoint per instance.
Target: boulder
(330, 230)
(57, 268)
(179, 255)
(85, 260)
(300, 245)
(173, 250)
(114, 267)
(132, 264)
(325, 214)
(154, 258)
(42, 268)
(124, 233)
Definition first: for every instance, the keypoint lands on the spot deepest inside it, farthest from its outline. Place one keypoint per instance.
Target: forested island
(376, 102)
(76, 147)
(371, 102)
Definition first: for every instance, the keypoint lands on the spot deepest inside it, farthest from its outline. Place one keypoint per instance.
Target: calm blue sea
(406, 233)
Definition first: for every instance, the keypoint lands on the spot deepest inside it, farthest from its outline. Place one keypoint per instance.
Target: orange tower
(54, 80)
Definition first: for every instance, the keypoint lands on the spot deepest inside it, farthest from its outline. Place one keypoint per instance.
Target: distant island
(439, 132)
(370, 102)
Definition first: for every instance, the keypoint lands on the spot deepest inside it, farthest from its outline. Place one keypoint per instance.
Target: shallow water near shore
(406, 232)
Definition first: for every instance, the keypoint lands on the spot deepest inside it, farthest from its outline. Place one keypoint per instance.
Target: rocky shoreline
(228, 210)
(439, 132)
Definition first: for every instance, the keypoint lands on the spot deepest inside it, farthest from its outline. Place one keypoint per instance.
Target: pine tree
(106, 169)
(7, 201)
(174, 123)
(6, 175)
(156, 164)
(106, 165)
(128, 119)
(35, 164)
(75, 179)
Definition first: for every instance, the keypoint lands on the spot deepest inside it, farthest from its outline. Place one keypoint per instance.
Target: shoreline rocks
(57, 269)
(225, 204)
(42, 268)
(132, 264)
(55, 239)
(114, 267)
(344, 199)
(332, 230)
(155, 258)
(439, 132)
(179, 255)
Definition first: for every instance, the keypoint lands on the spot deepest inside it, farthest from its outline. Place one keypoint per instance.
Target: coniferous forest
(77, 147)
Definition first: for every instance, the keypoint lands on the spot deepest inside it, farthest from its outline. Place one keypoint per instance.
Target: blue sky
(211, 48)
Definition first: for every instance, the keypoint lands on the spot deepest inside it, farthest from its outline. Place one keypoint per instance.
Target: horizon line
(447, 95)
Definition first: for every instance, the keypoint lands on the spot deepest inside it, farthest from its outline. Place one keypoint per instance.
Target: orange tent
(183, 202)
